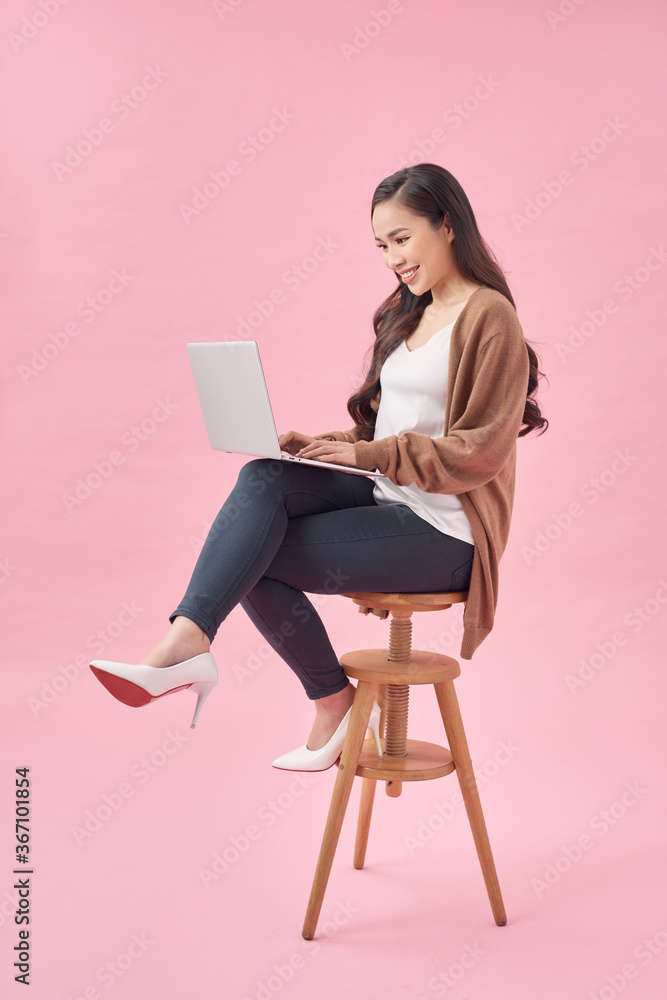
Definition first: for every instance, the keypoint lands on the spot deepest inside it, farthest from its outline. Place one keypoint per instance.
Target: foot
(329, 713)
(183, 640)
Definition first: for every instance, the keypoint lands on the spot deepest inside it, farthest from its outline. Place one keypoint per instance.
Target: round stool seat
(382, 604)
(375, 666)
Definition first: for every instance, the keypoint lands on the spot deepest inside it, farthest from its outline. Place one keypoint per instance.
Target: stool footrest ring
(423, 762)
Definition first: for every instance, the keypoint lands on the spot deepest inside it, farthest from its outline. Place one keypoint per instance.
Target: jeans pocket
(461, 576)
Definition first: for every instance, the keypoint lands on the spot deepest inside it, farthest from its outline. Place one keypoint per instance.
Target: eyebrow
(400, 229)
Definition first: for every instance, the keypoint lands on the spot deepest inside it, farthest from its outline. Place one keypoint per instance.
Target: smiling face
(409, 244)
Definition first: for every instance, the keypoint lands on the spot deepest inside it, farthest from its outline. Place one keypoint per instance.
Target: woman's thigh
(380, 547)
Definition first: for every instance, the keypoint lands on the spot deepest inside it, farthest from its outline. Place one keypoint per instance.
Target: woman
(448, 390)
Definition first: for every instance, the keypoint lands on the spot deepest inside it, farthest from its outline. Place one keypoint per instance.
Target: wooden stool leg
(364, 823)
(347, 768)
(458, 745)
(368, 786)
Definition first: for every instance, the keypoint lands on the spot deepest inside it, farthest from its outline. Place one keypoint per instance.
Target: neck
(451, 292)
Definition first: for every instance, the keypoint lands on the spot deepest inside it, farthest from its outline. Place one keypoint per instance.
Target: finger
(313, 451)
(315, 444)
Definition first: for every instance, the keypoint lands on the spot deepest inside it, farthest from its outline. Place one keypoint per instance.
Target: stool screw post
(398, 695)
(400, 637)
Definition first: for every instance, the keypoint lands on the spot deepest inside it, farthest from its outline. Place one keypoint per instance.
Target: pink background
(507, 99)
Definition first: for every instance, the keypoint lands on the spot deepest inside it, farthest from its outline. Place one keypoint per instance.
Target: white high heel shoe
(303, 759)
(138, 684)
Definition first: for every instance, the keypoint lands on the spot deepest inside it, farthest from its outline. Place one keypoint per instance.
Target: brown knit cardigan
(487, 383)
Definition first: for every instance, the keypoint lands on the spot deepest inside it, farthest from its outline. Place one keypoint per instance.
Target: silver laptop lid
(234, 398)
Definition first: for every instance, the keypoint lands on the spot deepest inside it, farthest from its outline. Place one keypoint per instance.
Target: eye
(400, 239)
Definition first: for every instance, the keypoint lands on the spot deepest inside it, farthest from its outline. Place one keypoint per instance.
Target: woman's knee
(254, 482)
(259, 474)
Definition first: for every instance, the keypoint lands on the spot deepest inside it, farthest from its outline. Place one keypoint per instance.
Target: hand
(339, 452)
(293, 440)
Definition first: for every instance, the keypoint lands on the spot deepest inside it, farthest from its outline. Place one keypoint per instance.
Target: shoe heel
(374, 726)
(202, 690)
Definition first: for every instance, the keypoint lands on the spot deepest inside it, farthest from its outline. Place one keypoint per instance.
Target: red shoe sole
(127, 692)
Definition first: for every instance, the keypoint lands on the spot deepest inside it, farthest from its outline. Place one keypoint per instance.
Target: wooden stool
(385, 676)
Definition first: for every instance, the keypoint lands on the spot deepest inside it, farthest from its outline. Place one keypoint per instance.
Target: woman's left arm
(479, 441)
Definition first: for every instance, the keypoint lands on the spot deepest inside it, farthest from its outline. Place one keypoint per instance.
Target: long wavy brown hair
(429, 190)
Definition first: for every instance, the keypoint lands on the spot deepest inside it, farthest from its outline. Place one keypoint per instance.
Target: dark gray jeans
(287, 528)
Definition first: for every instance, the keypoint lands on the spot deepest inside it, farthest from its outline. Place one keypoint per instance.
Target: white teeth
(408, 274)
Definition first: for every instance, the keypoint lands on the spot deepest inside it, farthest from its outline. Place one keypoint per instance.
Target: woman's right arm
(360, 432)
(293, 441)
(357, 433)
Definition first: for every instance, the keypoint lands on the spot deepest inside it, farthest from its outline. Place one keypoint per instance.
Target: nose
(394, 260)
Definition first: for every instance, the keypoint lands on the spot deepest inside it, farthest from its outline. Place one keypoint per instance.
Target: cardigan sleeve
(479, 442)
(356, 433)
(360, 432)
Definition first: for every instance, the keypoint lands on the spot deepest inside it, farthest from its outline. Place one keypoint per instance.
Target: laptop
(235, 403)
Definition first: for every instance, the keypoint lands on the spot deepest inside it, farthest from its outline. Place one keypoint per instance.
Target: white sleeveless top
(414, 391)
